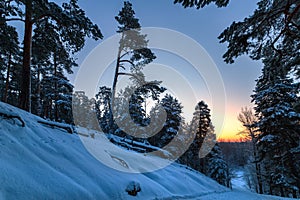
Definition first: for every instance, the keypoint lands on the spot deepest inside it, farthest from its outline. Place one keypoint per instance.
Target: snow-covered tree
(135, 123)
(9, 53)
(279, 138)
(203, 154)
(51, 59)
(102, 106)
(85, 111)
(216, 167)
(171, 126)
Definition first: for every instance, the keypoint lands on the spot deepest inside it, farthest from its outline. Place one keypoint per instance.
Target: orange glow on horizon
(231, 125)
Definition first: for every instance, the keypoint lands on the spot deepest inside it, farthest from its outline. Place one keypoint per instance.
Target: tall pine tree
(72, 25)
(133, 49)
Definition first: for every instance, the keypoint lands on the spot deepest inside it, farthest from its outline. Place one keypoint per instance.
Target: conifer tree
(10, 51)
(200, 126)
(278, 124)
(171, 126)
(71, 23)
(51, 60)
(133, 52)
(216, 167)
(102, 106)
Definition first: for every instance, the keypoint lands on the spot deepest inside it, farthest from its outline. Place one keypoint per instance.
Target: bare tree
(247, 118)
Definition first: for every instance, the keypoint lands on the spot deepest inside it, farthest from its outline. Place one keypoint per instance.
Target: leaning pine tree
(133, 53)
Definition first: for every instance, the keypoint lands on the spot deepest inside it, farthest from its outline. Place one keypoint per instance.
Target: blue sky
(203, 26)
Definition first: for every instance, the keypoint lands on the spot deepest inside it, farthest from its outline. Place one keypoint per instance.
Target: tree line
(33, 77)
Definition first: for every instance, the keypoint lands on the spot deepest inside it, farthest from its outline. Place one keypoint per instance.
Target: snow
(238, 180)
(44, 162)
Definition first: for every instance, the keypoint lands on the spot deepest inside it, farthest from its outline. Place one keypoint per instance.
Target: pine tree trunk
(39, 106)
(7, 79)
(25, 102)
(111, 118)
(55, 89)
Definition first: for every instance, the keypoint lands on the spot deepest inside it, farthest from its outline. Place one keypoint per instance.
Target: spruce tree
(216, 167)
(278, 124)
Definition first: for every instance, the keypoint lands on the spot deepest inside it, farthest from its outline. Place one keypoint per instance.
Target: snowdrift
(38, 161)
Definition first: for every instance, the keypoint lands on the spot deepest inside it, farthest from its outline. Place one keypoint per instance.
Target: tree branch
(45, 15)
(12, 19)
(122, 67)
(132, 75)
(7, 116)
(68, 128)
(128, 61)
(125, 54)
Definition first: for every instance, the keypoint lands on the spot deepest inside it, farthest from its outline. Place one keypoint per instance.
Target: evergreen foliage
(172, 123)
(68, 21)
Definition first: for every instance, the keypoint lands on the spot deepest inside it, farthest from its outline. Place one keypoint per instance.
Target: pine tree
(201, 3)
(51, 60)
(9, 49)
(200, 126)
(102, 106)
(72, 24)
(130, 111)
(274, 26)
(132, 50)
(172, 124)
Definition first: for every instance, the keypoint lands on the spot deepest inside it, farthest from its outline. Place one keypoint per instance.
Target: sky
(203, 26)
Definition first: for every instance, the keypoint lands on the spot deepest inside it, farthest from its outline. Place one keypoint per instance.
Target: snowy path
(238, 195)
(238, 180)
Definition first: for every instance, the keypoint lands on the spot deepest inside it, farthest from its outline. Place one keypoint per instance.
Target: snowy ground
(238, 180)
(41, 162)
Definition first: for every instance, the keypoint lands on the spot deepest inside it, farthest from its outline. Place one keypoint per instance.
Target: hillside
(38, 161)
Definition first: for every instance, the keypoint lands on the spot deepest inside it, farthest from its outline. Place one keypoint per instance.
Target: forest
(36, 62)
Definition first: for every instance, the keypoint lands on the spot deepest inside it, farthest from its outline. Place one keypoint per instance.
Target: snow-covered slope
(40, 162)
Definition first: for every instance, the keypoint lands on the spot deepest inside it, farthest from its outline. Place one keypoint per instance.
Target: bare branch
(8, 116)
(68, 128)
